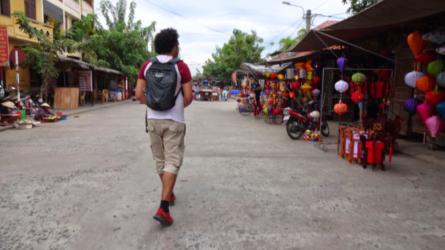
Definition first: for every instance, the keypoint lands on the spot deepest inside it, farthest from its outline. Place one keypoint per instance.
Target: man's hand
(187, 91)
(140, 91)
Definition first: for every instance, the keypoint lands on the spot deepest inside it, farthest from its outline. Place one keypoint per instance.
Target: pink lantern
(434, 125)
(425, 111)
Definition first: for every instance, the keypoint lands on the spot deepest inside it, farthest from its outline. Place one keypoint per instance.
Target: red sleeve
(141, 74)
(186, 75)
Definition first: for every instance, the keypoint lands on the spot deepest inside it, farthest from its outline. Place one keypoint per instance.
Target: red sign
(4, 46)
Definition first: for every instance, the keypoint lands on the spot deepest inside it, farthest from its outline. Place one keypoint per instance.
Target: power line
(184, 17)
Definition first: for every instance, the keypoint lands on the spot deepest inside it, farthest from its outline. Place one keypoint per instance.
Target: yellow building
(44, 14)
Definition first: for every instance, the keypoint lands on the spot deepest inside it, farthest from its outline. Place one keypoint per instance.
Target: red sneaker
(163, 217)
(172, 200)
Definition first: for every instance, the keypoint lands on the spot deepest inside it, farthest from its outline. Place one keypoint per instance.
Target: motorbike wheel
(325, 129)
(294, 129)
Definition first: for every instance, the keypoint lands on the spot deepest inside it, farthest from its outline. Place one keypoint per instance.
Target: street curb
(74, 113)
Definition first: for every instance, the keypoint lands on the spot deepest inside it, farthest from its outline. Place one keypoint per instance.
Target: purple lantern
(341, 63)
(411, 105)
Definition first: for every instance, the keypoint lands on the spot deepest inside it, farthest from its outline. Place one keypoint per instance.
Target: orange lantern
(340, 108)
(300, 65)
(308, 66)
(416, 43)
(280, 77)
(292, 95)
(425, 83)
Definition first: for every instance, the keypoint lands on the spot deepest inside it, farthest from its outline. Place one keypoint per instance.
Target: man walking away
(164, 85)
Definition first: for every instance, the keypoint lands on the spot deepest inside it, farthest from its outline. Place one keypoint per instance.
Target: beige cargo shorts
(167, 144)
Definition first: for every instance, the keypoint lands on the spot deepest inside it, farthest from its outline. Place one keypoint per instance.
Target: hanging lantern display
(435, 67)
(411, 105)
(295, 85)
(341, 63)
(316, 80)
(434, 97)
(440, 80)
(434, 124)
(426, 57)
(425, 111)
(280, 77)
(416, 43)
(310, 75)
(357, 96)
(302, 74)
(358, 78)
(273, 76)
(306, 87)
(316, 92)
(341, 108)
(411, 78)
(341, 86)
(441, 110)
(425, 83)
(308, 66)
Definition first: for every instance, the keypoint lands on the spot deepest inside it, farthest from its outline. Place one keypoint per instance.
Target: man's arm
(140, 91)
(187, 91)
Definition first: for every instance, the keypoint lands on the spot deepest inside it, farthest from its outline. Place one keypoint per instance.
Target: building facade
(44, 15)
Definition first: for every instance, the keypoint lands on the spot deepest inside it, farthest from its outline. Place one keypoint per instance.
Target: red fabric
(184, 71)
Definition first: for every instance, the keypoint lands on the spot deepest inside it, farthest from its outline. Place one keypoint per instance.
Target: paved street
(89, 183)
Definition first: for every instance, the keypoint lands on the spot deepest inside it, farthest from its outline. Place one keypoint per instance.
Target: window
(5, 8)
(30, 8)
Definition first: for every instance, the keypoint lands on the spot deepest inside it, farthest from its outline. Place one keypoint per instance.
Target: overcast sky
(205, 24)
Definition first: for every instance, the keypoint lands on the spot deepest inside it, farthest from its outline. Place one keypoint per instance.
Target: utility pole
(308, 18)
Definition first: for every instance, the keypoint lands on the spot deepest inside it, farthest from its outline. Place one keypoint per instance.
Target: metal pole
(308, 18)
(17, 76)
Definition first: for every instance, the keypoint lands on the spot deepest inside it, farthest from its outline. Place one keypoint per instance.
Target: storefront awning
(107, 70)
(289, 56)
(383, 15)
(75, 62)
(261, 69)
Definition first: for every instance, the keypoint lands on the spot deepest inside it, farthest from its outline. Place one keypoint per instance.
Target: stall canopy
(289, 57)
(381, 16)
(261, 69)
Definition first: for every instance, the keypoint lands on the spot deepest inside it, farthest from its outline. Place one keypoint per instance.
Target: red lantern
(295, 85)
(273, 76)
(434, 97)
(285, 94)
(425, 83)
(357, 97)
(276, 111)
(270, 101)
(340, 108)
(292, 95)
(426, 57)
(316, 80)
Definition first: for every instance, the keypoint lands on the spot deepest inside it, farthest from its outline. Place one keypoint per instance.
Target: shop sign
(4, 46)
(86, 80)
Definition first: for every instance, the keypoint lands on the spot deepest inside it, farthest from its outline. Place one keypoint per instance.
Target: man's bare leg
(168, 184)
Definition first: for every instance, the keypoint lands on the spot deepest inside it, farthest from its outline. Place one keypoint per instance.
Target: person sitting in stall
(43, 112)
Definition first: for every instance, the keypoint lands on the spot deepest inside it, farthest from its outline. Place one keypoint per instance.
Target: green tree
(42, 56)
(241, 47)
(358, 5)
(287, 42)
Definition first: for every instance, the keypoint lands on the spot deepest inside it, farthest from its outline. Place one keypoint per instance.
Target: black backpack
(162, 80)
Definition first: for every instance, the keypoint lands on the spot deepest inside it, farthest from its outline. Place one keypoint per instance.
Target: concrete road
(89, 183)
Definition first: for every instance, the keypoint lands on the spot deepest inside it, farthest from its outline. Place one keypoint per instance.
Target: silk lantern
(273, 75)
(425, 83)
(306, 87)
(416, 43)
(425, 111)
(358, 78)
(426, 57)
(411, 105)
(340, 108)
(302, 74)
(434, 125)
(434, 97)
(341, 63)
(411, 78)
(316, 80)
(441, 110)
(341, 86)
(299, 66)
(292, 95)
(280, 77)
(308, 66)
(295, 85)
(440, 80)
(316, 92)
(310, 75)
(357, 97)
(435, 67)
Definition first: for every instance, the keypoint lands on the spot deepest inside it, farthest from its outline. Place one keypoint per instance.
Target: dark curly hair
(166, 40)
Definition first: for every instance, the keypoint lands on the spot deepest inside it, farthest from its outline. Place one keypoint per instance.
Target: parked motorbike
(297, 122)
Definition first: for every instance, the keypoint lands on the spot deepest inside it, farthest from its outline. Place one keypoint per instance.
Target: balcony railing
(87, 8)
(14, 30)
